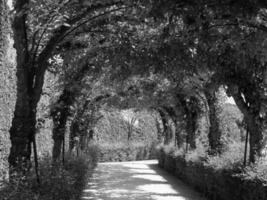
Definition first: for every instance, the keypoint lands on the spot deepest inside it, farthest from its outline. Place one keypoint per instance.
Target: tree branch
(53, 42)
(61, 31)
(88, 20)
(41, 37)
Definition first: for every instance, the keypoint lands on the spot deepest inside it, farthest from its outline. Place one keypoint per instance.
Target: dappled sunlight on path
(140, 180)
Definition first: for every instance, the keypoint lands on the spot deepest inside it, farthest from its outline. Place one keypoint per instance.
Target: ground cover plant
(63, 182)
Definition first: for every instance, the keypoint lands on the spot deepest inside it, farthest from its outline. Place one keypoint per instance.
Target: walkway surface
(140, 180)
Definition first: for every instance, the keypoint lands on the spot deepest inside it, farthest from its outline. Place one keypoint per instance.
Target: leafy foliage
(166, 56)
(66, 183)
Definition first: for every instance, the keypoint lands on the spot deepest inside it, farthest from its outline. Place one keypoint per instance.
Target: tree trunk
(159, 130)
(75, 127)
(28, 94)
(186, 120)
(214, 129)
(181, 122)
(21, 134)
(191, 121)
(59, 134)
(172, 123)
(73, 133)
(202, 120)
(195, 110)
(165, 125)
(254, 124)
(191, 128)
(30, 80)
(60, 114)
(168, 125)
(255, 139)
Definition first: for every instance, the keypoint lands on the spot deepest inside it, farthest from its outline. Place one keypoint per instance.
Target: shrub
(126, 151)
(60, 183)
(218, 177)
(230, 159)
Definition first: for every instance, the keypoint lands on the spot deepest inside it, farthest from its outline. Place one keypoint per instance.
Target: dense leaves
(168, 56)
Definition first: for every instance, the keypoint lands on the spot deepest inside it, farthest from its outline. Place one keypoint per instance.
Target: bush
(126, 151)
(218, 177)
(57, 183)
(230, 159)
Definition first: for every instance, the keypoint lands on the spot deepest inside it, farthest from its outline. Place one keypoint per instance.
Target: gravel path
(139, 180)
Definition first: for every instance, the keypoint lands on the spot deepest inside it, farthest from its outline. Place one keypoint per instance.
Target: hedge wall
(7, 88)
(131, 152)
(215, 184)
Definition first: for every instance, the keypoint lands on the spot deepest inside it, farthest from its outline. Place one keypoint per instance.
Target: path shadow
(134, 181)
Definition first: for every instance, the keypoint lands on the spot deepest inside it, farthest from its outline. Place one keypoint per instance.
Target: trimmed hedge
(222, 184)
(7, 88)
(124, 152)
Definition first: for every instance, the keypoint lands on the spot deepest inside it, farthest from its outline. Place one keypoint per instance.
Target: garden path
(138, 180)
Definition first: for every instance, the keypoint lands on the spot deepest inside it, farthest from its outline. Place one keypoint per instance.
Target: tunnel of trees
(176, 60)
